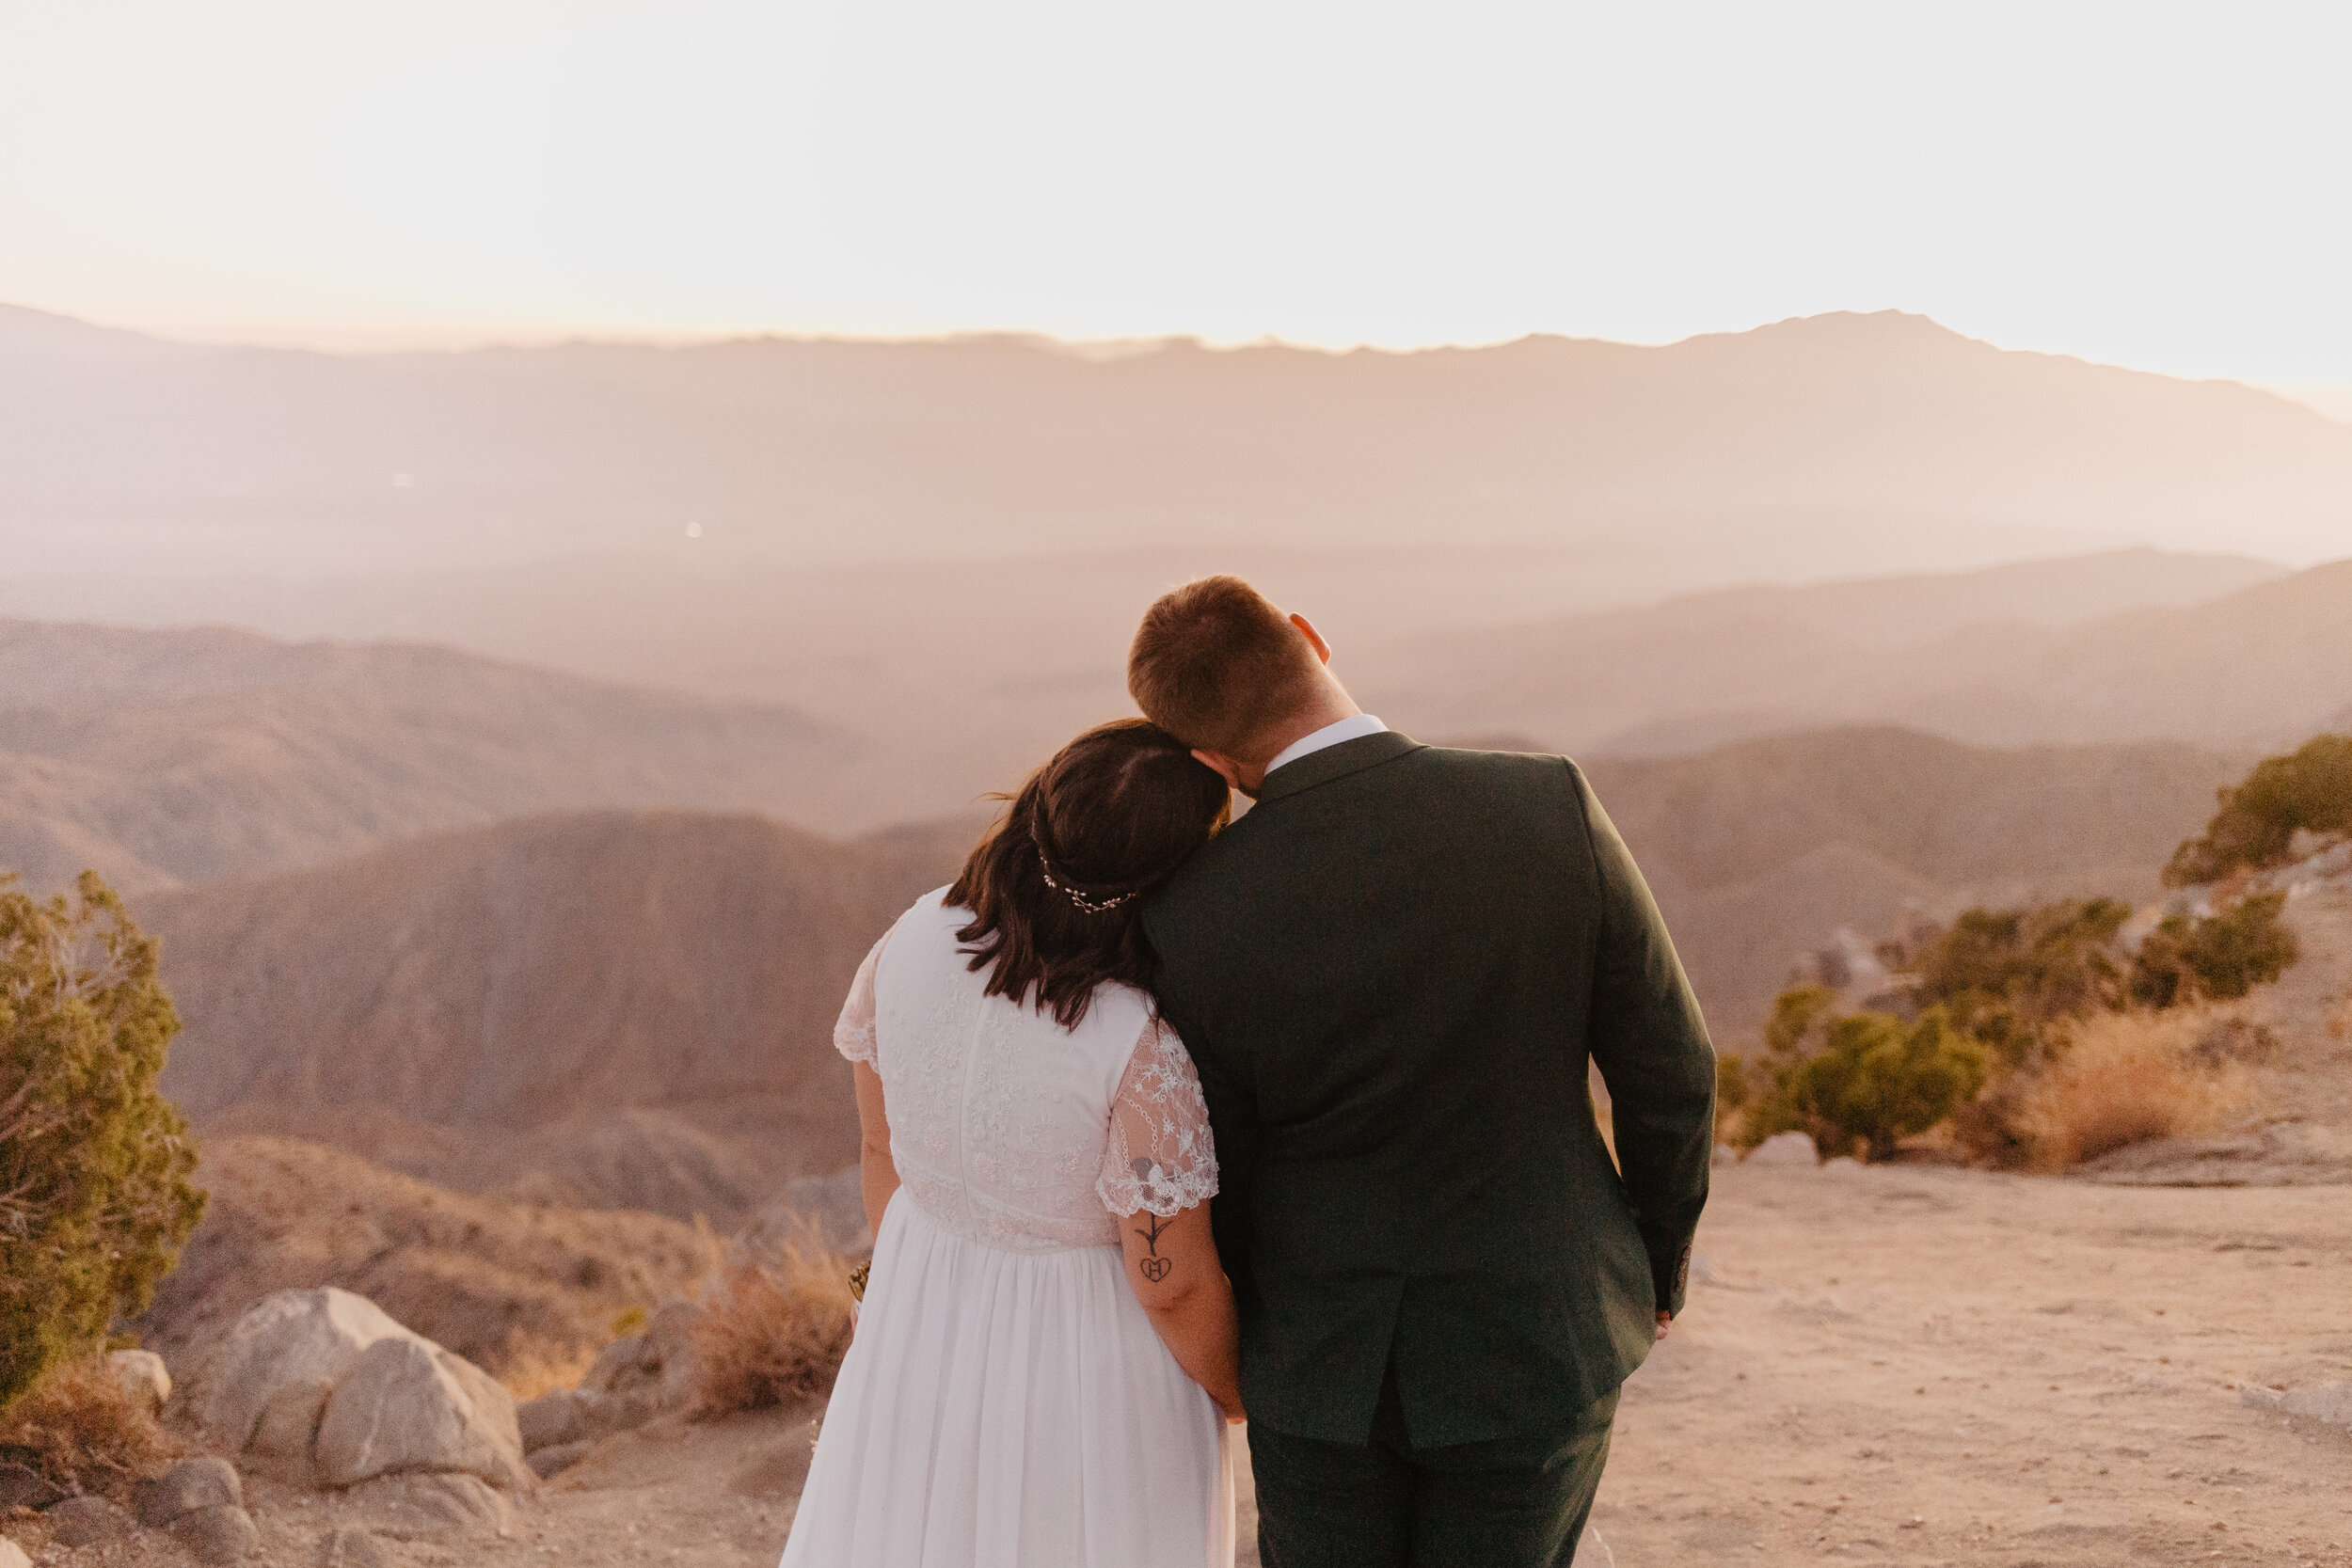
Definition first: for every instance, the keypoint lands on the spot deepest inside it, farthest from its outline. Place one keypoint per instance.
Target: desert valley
(507, 884)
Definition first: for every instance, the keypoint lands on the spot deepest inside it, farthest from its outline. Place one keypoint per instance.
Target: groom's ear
(1323, 649)
(1225, 767)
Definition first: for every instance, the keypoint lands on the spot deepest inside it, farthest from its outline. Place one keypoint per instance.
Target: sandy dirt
(1905, 1364)
(1898, 1365)
(1925, 1366)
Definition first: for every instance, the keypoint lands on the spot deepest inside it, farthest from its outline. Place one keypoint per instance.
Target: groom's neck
(1333, 705)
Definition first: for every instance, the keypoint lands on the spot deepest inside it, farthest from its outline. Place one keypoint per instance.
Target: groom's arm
(1651, 1046)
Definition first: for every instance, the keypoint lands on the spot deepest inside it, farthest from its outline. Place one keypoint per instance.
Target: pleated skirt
(1008, 1409)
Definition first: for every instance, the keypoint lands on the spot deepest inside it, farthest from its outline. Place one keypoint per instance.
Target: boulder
(291, 1337)
(12, 1555)
(2319, 1401)
(1841, 1164)
(661, 1359)
(1785, 1149)
(350, 1548)
(2322, 1401)
(408, 1405)
(87, 1521)
(628, 1360)
(552, 1420)
(670, 1346)
(553, 1461)
(21, 1486)
(223, 1534)
(284, 1437)
(438, 1505)
(601, 1414)
(143, 1376)
(187, 1487)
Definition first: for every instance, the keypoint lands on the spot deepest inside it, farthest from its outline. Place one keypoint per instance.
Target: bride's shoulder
(927, 919)
(1122, 1009)
(933, 906)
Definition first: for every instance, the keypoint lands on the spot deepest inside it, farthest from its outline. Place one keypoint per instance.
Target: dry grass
(770, 1332)
(538, 1370)
(2340, 1027)
(81, 1430)
(2127, 1078)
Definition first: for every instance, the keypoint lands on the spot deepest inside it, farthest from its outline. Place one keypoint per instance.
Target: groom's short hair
(1218, 667)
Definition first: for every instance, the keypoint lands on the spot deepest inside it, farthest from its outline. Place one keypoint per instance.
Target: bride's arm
(877, 1175)
(1172, 1264)
(1159, 1171)
(854, 1035)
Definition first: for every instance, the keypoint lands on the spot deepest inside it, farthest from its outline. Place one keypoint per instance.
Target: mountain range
(1832, 445)
(2262, 665)
(634, 1009)
(1762, 846)
(524, 841)
(168, 757)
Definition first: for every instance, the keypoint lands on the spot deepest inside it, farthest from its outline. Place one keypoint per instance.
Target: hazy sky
(2155, 185)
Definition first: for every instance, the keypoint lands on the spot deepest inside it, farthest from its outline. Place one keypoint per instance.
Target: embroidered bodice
(1005, 1126)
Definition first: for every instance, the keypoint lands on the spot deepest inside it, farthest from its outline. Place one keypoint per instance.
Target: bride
(1046, 1357)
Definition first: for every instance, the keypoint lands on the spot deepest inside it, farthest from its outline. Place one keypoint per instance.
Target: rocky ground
(2298, 1127)
(1899, 1364)
(1907, 1363)
(1929, 1366)
(528, 1291)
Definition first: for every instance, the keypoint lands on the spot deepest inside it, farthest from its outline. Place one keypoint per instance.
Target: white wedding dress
(1005, 1403)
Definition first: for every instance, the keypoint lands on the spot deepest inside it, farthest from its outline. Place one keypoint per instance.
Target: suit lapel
(1335, 762)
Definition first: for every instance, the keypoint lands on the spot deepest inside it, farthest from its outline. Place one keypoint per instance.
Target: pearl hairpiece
(1084, 904)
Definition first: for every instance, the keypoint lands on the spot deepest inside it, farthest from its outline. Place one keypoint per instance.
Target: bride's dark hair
(1057, 885)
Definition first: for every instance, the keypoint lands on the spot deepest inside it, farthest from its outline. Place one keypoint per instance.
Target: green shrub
(2217, 960)
(1875, 1081)
(1798, 1015)
(1731, 1095)
(95, 1196)
(2009, 976)
(2309, 789)
(1748, 1105)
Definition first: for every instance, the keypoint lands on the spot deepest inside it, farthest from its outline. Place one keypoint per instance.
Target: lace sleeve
(854, 1035)
(1160, 1155)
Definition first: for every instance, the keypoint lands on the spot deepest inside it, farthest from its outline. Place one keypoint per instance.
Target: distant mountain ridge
(1832, 444)
(2263, 666)
(180, 758)
(603, 1009)
(843, 702)
(509, 975)
(1760, 848)
(163, 758)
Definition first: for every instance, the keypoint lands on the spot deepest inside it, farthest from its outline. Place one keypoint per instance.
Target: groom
(1391, 976)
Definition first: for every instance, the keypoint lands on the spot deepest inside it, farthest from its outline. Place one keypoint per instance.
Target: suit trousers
(1518, 1502)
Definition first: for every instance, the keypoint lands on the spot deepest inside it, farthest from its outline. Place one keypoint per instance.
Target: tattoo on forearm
(1154, 1268)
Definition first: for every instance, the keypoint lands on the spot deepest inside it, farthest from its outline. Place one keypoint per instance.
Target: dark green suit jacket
(1392, 975)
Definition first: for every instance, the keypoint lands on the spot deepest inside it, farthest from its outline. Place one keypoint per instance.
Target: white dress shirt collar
(1354, 727)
